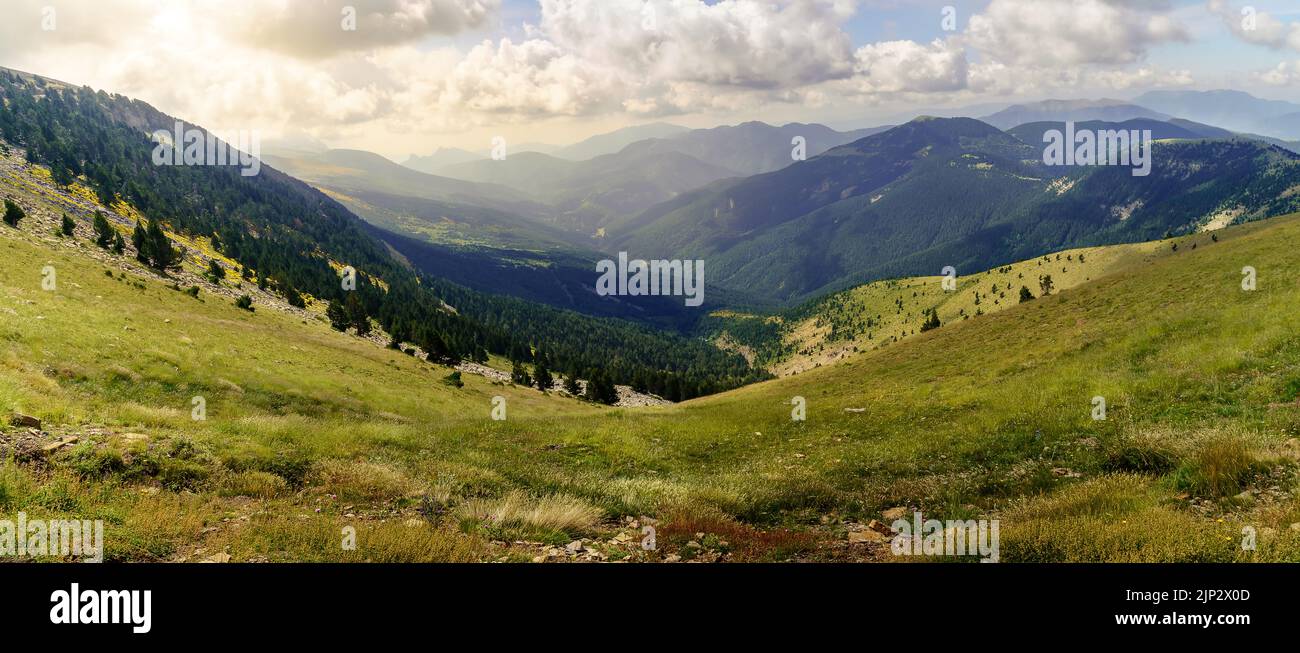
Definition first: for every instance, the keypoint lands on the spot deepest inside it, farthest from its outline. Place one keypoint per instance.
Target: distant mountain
(617, 140)
(349, 170)
(1233, 110)
(441, 158)
(1070, 110)
(937, 192)
(754, 147)
(1032, 133)
(1204, 131)
(586, 195)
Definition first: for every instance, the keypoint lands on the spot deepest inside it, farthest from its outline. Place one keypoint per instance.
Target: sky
(402, 77)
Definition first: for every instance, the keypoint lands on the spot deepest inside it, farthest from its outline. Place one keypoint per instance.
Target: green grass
(309, 430)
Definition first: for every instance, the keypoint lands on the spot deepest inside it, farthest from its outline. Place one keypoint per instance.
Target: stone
(573, 548)
(28, 421)
(880, 528)
(894, 514)
(863, 537)
(55, 446)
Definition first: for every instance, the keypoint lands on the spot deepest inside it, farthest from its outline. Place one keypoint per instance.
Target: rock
(28, 421)
(218, 558)
(880, 528)
(135, 437)
(693, 545)
(862, 537)
(573, 548)
(672, 557)
(893, 514)
(1065, 472)
(55, 446)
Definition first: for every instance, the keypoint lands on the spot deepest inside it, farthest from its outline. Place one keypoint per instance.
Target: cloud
(317, 29)
(287, 65)
(1257, 27)
(907, 66)
(533, 77)
(742, 43)
(1063, 33)
(1286, 73)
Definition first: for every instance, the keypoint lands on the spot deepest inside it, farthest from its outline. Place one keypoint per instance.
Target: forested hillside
(295, 238)
(952, 192)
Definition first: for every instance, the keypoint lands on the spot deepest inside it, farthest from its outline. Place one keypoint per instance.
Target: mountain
(1235, 110)
(349, 168)
(82, 153)
(442, 157)
(1072, 110)
(586, 195)
(750, 148)
(959, 192)
(617, 140)
(308, 431)
(399, 198)
(1032, 133)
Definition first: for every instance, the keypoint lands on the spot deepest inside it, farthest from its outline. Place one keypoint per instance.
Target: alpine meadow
(864, 285)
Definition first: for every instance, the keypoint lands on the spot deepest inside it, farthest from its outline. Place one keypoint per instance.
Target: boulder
(28, 421)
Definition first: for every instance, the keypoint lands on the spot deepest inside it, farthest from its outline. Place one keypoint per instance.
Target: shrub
(245, 302)
(13, 213)
(1218, 469)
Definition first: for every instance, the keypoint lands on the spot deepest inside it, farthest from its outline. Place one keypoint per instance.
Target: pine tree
(601, 390)
(542, 377)
(67, 226)
(1025, 295)
(931, 320)
(161, 253)
(140, 240)
(337, 315)
(357, 316)
(519, 375)
(104, 232)
(215, 272)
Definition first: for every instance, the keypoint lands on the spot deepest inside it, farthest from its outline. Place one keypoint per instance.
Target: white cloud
(1063, 33)
(1286, 73)
(286, 65)
(315, 29)
(907, 66)
(1253, 26)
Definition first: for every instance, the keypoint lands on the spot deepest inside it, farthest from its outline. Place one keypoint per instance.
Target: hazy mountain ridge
(959, 192)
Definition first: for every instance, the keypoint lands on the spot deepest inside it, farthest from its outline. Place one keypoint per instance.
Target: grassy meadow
(308, 431)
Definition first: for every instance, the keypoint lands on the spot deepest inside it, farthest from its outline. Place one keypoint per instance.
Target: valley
(308, 430)
(213, 394)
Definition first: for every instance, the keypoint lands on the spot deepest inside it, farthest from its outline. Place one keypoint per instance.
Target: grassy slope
(309, 430)
(835, 327)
